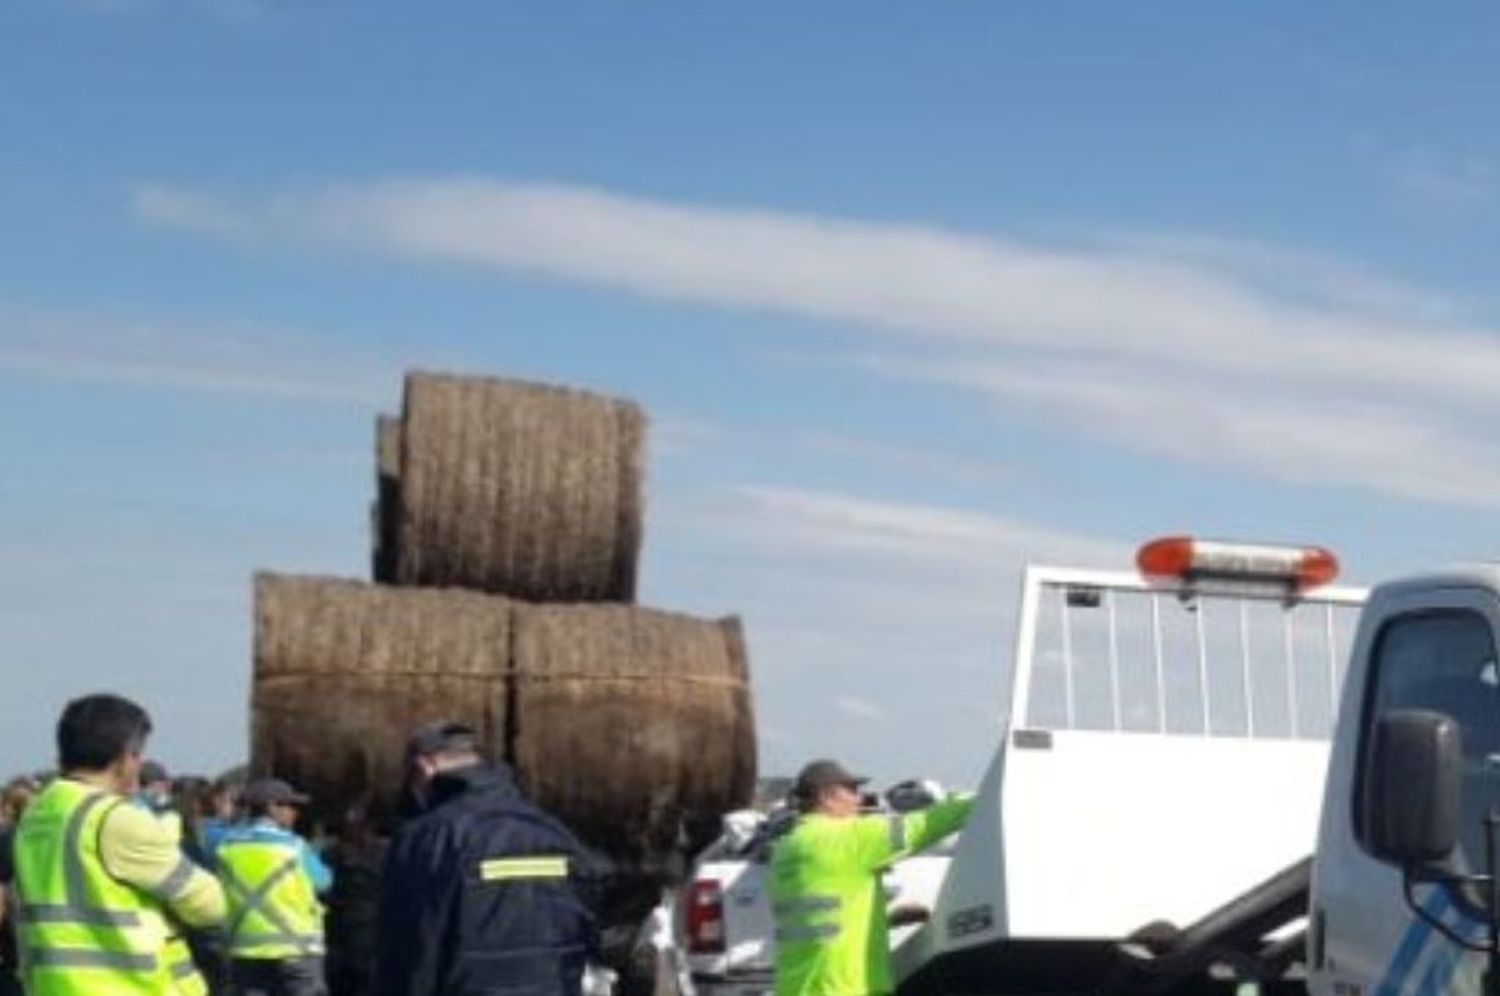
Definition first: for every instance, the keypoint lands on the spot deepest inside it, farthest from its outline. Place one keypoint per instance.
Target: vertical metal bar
(1067, 649)
(1333, 666)
(1290, 651)
(1198, 611)
(1021, 706)
(1161, 667)
(1114, 662)
(1293, 701)
(1245, 668)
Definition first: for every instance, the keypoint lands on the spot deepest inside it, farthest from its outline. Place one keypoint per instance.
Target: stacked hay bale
(385, 521)
(633, 722)
(506, 534)
(341, 667)
(519, 489)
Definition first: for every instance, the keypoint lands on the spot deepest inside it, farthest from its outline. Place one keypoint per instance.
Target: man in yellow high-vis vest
(272, 878)
(102, 884)
(832, 936)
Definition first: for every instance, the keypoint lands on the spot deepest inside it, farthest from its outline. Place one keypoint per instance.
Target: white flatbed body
(1162, 755)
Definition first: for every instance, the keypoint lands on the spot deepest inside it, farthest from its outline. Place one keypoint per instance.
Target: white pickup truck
(723, 920)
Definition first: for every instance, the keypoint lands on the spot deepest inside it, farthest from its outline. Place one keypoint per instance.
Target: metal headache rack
(1114, 651)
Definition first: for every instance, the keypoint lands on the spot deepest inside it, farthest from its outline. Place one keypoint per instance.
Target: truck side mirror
(1414, 787)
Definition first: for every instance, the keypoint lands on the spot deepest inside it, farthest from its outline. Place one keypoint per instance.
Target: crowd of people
(118, 878)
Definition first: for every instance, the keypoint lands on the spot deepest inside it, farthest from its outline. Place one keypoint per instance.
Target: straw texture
(520, 489)
(631, 725)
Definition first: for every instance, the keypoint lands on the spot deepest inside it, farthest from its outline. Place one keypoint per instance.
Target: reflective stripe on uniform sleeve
(176, 881)
(807, 932)
(807, 904)
(534, 866)
(306, 941)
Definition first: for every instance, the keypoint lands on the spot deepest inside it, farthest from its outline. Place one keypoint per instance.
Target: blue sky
(914, 293)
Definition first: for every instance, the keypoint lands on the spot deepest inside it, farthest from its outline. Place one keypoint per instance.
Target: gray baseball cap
(272, 792)
(822, 773)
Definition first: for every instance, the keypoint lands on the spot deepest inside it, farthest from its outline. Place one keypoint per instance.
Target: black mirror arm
(1410, 877)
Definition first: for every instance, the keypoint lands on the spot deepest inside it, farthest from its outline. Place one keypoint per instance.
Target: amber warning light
(1188, 559)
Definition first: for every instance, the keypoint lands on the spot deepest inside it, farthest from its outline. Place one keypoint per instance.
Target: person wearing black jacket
(484, 893)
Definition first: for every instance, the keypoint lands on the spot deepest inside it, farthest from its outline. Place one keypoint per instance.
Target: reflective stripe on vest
(180, 965)
(273, 914)
(76, 958)
(84, 932)
(805, 918)
(897, 828)
(807, 932)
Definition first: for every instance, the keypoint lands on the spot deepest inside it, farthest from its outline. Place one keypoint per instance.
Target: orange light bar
(1189, 559)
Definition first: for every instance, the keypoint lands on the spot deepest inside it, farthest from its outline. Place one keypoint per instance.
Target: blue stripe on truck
(1418, 932)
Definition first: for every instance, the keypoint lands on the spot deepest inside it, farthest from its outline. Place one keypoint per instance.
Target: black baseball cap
(440, 737)
(153, 772)
(272, 792)
(822, 773)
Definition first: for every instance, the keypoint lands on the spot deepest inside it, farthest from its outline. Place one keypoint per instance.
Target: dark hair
(97, 730)
(191, 800)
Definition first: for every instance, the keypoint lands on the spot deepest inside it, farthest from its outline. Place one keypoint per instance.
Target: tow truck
(1147, 821)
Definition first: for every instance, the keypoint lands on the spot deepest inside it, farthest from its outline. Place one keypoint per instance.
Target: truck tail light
(705, 917)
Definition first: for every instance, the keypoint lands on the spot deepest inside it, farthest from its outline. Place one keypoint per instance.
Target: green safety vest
(832, 937)
(273, 911)
(82, 931)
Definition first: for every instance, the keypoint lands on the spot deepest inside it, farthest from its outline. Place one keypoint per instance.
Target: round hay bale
(385, 519)
(344, 671)
(519, 489)
(631, 724)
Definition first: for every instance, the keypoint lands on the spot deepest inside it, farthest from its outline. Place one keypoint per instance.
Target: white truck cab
(1395, 906)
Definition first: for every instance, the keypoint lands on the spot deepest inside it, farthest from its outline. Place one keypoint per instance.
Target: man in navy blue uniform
(484, 893)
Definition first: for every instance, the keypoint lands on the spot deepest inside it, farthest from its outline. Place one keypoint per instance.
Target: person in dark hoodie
(483, 891)
(357, 857)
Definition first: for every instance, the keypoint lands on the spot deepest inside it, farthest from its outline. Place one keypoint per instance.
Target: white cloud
(851, 705)
(820, 520)
(211, 357)
(1293, 367)
(859, 609)
(1301, 275)
(1422, 452)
